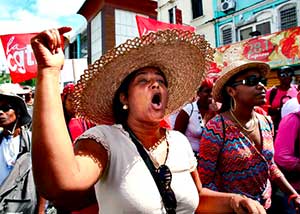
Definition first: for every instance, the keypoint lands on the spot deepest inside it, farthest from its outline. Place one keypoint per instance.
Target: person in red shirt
(279, 94)
(76, 126)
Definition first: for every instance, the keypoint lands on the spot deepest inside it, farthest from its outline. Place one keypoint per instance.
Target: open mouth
(262, 95)
(156, 99)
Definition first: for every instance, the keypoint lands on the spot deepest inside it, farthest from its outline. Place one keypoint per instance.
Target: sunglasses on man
(5, 107)
(286, 74)
(251, 81)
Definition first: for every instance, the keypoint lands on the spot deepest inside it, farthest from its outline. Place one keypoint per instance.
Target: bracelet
(292, 197)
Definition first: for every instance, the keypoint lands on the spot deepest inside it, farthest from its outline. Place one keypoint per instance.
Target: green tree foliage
(4, 77)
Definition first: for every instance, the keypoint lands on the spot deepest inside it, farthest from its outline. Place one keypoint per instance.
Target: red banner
(276, 49)
(19, 56)
(147, 25)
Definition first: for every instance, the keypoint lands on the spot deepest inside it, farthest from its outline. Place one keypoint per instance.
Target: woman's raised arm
(57, 171)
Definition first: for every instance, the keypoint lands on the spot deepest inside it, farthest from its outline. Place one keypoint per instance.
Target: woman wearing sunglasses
(236, 148)
(130, 162)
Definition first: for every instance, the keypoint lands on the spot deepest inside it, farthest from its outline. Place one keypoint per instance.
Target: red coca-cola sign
(258, 49)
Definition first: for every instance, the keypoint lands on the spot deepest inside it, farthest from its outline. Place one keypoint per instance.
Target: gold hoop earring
(232, 104)
(125, 107)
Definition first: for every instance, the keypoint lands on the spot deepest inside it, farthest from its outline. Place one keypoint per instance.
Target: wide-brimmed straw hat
(10, 92)
(183, 56)
(232, 69)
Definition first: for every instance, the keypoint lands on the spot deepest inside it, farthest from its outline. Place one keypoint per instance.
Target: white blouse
(195, 126)
(127, 185)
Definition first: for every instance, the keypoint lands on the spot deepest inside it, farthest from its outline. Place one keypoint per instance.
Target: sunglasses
(251, 81)
(286, 74)
(165, 178)
(6, 108)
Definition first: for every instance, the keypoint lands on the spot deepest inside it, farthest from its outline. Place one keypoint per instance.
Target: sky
(23, 16)
(31, 16)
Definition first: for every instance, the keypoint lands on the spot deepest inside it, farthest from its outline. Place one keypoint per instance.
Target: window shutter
(227, 36)
(288, 18)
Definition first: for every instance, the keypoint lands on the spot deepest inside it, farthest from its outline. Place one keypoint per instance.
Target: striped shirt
(232, 163)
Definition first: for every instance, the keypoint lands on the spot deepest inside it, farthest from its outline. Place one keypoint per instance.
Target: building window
(197, 8)
(226, 35)
(288, 17)
(172, 15)
(84, 44)
(264, 28)
(261, 28)
(73, 50)
(245, 33)
(125, 26)
(175, 15)
(178, 18)
(96, 37)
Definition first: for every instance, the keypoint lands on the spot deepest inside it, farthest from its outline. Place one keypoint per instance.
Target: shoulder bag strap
(148, 163)
(224, 138)
(143, 153)
(25, 140)
(192, 109)
(224, 128)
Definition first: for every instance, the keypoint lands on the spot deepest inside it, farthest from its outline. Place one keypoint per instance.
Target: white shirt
(127, 185)
(9, 150)
(292, 105)
(195, 126)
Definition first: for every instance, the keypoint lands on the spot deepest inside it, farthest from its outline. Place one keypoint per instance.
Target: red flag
(20, 59)
(147, 25)
(19, 56)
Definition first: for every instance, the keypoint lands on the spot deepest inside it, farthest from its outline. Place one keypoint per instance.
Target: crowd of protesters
(235, 148)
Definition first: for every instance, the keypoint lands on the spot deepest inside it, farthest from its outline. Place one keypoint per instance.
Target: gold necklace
(159, 156)
(162, 139)
(250, 129)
